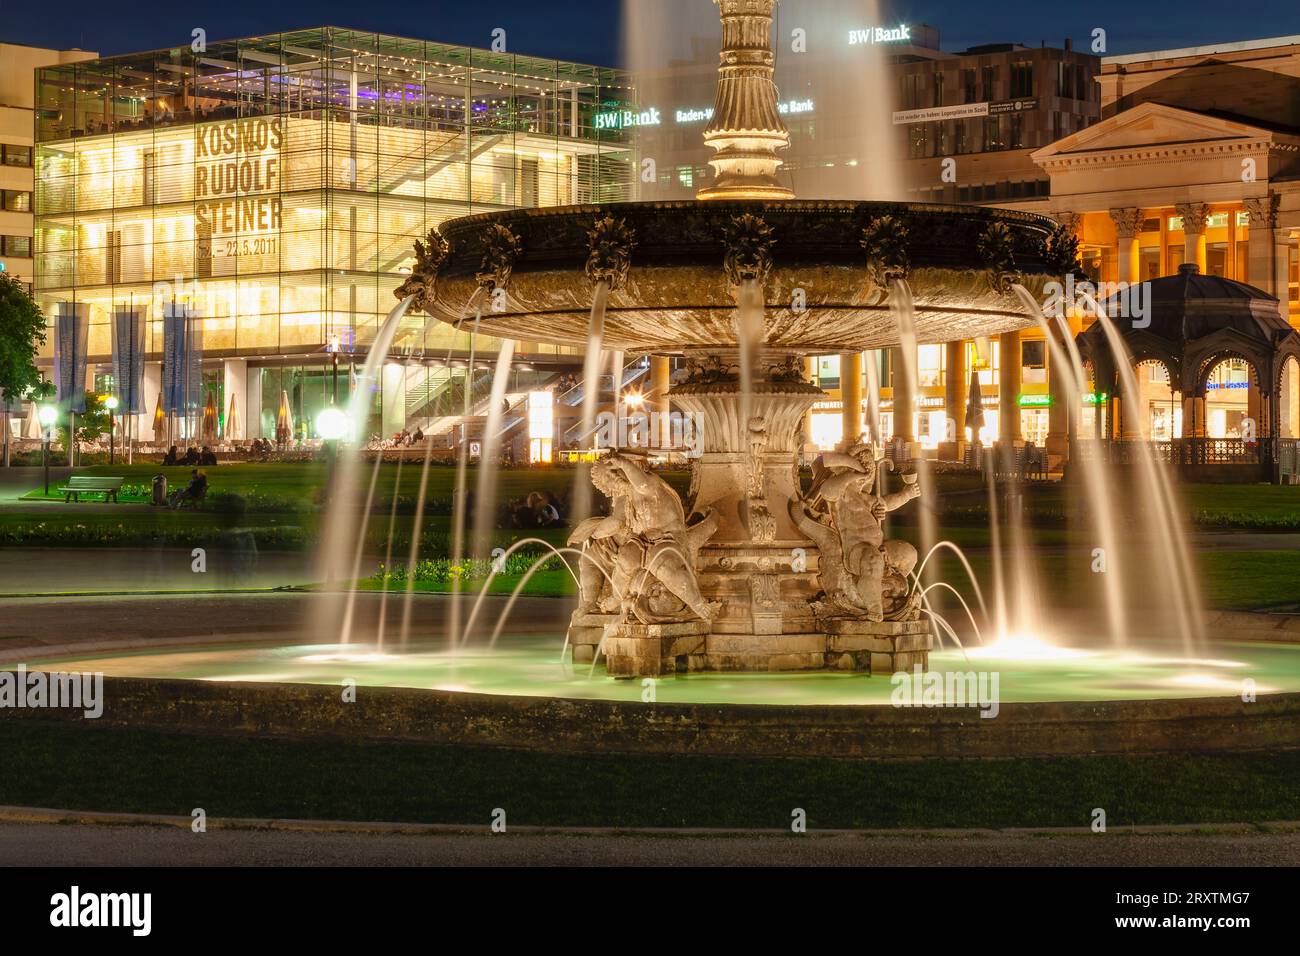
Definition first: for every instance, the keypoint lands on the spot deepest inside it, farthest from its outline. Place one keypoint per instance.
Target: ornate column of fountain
(746, 129)
(761, 569)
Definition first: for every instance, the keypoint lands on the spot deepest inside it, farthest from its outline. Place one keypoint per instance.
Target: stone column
(1281, 269)
(954, 399)
(1063, 413)
(1257, 408)
(1193, 417)
(1262, 246)
(1009, 371)
(1127, 222)
(1194, 214)
(851, 396)
(660, 371)
(904, 398)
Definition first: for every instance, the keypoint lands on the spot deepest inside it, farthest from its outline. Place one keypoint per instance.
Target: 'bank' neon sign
(898, 34)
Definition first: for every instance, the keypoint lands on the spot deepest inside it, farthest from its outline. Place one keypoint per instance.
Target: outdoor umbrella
(32, 424)
(159, 421)
(284, 420)
(232, 419)
(975, 408)
(210, 419)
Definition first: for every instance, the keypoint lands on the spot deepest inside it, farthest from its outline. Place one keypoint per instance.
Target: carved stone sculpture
(501, 250)
(609, 258)
(422, 282)
(862, 574)
(996, 247)
(643, 555)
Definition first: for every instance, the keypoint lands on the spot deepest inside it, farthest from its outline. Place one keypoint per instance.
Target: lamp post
(335, 346)
(46, 415)
(111, 404)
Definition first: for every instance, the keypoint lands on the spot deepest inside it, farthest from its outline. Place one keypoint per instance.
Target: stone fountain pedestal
(765, 579)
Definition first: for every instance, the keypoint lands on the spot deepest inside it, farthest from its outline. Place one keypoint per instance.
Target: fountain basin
(1075, 703)
(677, 297)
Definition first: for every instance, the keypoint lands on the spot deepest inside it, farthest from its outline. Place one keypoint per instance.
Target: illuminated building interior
(276, 185)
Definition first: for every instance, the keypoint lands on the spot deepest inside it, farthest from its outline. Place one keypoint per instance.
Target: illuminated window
(930, 365)
(541, 426)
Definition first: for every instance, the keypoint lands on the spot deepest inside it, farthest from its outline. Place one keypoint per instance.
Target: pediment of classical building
(1152, 129)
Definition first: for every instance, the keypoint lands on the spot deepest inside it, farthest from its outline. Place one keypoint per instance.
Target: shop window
(930, 365)
(1149, 262)
(1216, 259)
(828, 371)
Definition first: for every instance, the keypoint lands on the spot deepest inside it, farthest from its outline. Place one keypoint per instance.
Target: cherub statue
(644, 546)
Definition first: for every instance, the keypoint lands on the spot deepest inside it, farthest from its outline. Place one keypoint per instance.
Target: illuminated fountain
(753, 571)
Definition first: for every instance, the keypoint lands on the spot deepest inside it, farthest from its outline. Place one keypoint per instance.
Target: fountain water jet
(1096, 481)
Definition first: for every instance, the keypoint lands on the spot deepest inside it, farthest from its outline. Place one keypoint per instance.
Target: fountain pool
(1027, 671)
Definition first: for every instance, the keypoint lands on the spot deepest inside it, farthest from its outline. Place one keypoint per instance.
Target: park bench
(79, 485)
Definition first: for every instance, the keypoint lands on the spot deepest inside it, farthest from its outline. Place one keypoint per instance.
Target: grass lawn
(558, 583)
(81, 768)
(296, 482)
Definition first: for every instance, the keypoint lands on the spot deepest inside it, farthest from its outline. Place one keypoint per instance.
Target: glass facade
(277, 183)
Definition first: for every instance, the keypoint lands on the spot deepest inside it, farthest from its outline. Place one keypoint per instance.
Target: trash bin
(160, 490)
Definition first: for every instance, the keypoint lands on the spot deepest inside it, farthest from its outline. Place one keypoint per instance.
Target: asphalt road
(44, 844)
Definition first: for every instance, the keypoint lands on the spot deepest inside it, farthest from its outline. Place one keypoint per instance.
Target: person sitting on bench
(194, 491)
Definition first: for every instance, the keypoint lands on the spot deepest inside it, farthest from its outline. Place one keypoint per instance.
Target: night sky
(588, 30)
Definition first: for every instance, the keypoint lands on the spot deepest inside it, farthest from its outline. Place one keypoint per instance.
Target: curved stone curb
(44, 815)
(301, 711)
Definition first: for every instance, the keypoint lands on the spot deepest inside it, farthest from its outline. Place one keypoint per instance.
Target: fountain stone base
(753, 571)
(658, 650)
(883, 647)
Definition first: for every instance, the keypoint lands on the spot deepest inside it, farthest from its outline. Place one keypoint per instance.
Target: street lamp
(46, 415)
(111, 404)
(335, 346)
(332, 423)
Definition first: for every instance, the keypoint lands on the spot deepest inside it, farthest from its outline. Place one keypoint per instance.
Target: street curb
(43, 815)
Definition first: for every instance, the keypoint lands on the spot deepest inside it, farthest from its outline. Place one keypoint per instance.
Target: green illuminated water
(529, 666)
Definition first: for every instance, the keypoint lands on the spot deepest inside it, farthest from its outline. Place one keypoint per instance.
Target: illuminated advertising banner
(936, 114)
(234, 163)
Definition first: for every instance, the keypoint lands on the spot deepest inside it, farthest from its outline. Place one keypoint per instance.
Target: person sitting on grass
(194, 491)
(192, 457)
(173, 456)
(207, 456)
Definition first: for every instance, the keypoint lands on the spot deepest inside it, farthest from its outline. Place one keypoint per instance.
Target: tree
(22, 332)
(92, 423)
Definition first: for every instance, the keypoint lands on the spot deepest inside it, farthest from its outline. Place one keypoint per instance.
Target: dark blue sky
(588, 30)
